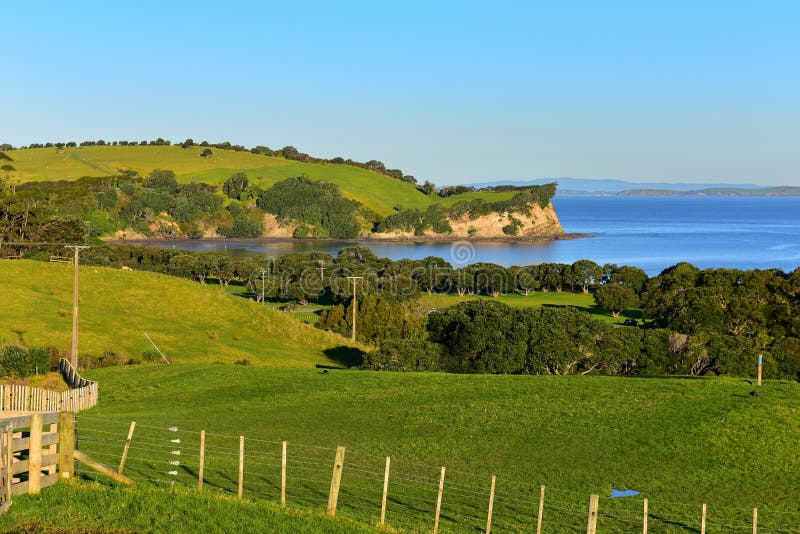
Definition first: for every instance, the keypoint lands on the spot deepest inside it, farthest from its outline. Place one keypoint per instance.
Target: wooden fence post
(644, 518)
(591, 523)
(541, 511)
(760, 366)
(385, 489)
(283, 474)
(202, 460)
(125, 450)
(491, 506)
(9, 462)
(52, 449)
(35, 455)
(439, 503)
(336, 480)
(66, 444)
(755, 520)
(703, 520)
(241, 466)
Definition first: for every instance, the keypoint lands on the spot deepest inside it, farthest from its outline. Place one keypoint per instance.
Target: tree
(585, 273)
(428, 187)
(162, 180)
(5, 157)
(236, 186)
(481, 336)
(206, 153)
(632, 277)
(615, 298)
(187, 143)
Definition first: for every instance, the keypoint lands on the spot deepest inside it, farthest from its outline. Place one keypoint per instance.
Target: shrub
(13, 360)
(150, 355)
(19, 361)
(405, 355)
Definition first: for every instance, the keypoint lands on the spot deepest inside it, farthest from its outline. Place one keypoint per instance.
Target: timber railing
(35, 451)
(22, 398)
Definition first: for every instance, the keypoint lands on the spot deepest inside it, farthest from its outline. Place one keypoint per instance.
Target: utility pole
(73, 355)
(321, 270)
(354, 279)
(263, 282)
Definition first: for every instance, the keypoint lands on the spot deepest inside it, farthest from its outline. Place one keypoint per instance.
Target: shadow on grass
(347, 356)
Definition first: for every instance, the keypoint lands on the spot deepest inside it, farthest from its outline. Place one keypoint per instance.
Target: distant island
(783, 191)
(604, 187)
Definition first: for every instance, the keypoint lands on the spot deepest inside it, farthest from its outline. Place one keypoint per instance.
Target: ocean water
(652, 233)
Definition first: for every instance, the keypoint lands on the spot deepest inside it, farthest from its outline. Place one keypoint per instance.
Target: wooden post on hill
(644, 518)
(35, 455)
(760, 365)
(336, 480)
(125, 450)
(755, 520)
(439, 503)
(491, 506)
(541, 511)
(283, 474)
(591, 523)
(202, 465)
(703, 520)
(66, 444)
(385, 489)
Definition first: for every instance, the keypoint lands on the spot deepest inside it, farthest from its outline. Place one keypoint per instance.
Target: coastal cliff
(538, 222)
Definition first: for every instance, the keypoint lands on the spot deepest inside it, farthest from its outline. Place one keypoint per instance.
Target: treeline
(437, 218)
(712, 321)
(158, 206)
(489, 337)
(287, 152)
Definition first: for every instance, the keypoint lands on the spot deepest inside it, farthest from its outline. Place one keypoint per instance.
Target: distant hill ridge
(159, 190)
(602, 187)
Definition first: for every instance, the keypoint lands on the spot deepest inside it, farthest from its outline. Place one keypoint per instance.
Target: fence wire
(165, 456)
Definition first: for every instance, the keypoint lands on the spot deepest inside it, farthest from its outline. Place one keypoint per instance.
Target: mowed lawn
(190, 322)
(376, 191)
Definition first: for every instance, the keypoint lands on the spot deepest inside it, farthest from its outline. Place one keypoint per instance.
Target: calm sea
(649, 232)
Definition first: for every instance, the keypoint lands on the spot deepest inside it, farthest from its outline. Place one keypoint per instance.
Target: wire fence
(169, 456)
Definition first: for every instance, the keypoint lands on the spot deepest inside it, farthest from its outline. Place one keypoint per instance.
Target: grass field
(536, 299)
(190, 322)
(376, 191)
(87, 507)
(680, 441)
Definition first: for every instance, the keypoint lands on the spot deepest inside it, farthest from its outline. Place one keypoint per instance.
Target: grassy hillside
(190, 322)
(680, 441)
(376, 191)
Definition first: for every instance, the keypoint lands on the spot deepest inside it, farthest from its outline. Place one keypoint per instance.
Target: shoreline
(356, 240)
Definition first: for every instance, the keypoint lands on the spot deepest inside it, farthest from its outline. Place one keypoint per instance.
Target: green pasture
(680, 441)
(190, 322)
(376, 191)
(82, 507)
(536, 299)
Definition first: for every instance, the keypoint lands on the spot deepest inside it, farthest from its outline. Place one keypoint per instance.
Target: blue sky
(449, 91)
